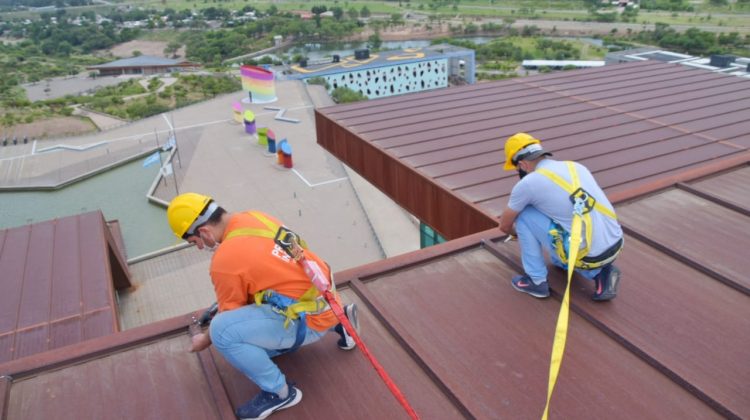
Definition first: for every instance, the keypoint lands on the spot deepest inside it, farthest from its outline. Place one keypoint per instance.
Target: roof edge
(90, 349)
(403, 261)
(619, 197)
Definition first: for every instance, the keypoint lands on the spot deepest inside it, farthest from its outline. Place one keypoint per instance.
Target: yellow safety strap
(561, 329)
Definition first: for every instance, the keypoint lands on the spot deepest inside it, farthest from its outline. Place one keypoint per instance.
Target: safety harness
(310, 303)
(583, 203)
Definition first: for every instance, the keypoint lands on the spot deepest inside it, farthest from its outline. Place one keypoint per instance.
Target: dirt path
(52, 127)
(152, 48)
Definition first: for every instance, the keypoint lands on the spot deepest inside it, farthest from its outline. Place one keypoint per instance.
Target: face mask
(206, 247)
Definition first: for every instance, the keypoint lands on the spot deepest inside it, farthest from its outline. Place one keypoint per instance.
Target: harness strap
(308, 303)
(311, 302)
(570, 189)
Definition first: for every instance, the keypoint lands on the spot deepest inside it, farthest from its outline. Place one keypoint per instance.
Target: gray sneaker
(346, 342)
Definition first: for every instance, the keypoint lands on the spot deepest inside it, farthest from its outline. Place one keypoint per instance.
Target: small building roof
(57, 283)
(139, 61)
(562, 63)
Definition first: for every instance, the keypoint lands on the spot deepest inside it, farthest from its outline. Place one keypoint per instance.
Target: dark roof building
(145, 65)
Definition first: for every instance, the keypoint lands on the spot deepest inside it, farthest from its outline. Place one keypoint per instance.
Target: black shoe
(524, 284)
(606, 283)
(346, 342)
(266, 403)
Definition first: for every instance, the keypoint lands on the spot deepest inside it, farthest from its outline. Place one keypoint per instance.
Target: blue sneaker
(266, 403)
(524, 284)
(346, 342)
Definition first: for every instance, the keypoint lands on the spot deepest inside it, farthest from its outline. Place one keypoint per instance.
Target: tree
(338, 12)
(364, 12)
(344, 95)
(354, 14)
(172, 48)
(374, 42)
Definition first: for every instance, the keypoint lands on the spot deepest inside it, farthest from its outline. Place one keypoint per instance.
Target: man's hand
(199, 340)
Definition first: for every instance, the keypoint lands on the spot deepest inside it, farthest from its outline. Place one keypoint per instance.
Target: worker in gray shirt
(540, 214)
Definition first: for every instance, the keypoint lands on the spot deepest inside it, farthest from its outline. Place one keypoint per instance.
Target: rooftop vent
(721, 61)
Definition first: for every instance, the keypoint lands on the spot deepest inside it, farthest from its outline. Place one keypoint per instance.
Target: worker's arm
(507, 219)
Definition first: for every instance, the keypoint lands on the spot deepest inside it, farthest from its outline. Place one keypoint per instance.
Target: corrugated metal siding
(137, 384)
(630, 124)
(686, 224)
(732, 186)
(56, 285)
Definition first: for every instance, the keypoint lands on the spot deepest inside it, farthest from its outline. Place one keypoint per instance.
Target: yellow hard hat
(184, 210)
(514, 144)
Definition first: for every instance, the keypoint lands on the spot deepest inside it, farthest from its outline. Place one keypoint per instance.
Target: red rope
(378, 368)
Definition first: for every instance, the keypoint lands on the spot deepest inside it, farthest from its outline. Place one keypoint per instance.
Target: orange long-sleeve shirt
(244, 265)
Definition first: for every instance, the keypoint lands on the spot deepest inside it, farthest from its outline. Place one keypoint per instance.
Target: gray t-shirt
(550, 199)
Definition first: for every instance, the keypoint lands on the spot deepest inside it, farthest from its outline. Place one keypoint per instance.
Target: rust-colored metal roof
(453, 334)
(56, 284)
(637, 126)
(460, 342)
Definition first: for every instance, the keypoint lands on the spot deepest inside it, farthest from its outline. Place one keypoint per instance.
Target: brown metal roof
(637, 126)
(56, 286)
(456, 338)
(460, 342)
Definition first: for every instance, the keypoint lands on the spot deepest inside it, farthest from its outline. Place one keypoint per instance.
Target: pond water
(120, 193)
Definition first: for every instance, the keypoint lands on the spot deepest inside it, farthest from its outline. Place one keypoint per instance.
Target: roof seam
(623, 342)
(653, 243)
(376, 308)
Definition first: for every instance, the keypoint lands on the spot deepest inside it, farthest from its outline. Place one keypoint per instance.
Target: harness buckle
(582, 201)
(290, 242)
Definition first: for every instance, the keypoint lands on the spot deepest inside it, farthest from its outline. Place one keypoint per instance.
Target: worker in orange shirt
(266, 303)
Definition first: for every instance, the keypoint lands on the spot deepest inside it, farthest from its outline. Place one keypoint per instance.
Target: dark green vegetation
(188, 89)
(127, 100)
(344, 95)
(693, 41)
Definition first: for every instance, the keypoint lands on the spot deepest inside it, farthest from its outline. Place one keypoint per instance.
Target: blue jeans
(532, 227)
(248, 337)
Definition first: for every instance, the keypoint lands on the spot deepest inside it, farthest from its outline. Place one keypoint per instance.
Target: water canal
(120, 193)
